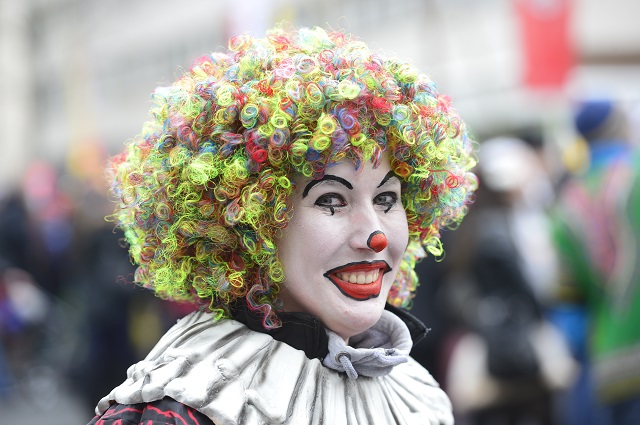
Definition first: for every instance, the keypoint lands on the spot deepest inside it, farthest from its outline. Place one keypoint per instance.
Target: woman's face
(337, 266)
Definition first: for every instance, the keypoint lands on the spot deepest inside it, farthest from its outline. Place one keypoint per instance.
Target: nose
(377, 241)
(366, 231)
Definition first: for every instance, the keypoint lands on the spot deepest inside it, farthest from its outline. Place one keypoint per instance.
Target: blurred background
(75, 80)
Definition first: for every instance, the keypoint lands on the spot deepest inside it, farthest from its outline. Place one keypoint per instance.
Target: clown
(288, 188)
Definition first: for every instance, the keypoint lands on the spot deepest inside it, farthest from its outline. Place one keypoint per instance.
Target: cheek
(398, 232)
(305, 236)
(305, 245)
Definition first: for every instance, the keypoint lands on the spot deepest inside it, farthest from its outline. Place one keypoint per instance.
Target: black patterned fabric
(162, 412)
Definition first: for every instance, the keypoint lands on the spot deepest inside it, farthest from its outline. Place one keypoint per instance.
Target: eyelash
(327, 198)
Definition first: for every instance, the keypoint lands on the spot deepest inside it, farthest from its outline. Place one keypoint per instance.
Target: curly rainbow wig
(203, 189)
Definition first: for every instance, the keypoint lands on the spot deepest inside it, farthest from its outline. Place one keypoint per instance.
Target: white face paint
(329, 250)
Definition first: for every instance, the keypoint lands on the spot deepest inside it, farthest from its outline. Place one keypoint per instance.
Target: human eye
(386, 200)
(330, 201)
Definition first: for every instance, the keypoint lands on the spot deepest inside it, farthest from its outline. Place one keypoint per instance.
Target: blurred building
(73, 71)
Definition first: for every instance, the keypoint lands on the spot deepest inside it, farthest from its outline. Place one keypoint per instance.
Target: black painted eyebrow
(312, 183)
(387, 177)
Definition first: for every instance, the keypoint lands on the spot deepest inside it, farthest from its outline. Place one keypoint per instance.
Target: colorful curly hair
(203, 189)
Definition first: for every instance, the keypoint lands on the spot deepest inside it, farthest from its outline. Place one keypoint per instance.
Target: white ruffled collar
(236, 376)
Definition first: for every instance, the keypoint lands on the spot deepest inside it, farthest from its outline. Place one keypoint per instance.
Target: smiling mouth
(360, 281)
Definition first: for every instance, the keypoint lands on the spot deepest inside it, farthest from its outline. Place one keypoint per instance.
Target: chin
(358, 319)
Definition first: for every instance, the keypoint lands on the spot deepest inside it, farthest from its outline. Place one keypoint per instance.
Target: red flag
(546, 41)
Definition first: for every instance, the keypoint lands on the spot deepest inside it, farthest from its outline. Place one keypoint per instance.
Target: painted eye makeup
(330, 201)
(387, 200)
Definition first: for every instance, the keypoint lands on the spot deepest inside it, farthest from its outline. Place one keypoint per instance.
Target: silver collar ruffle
(238, 376)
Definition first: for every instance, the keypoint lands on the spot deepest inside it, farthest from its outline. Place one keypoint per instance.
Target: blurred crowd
(533, 312)
(535, 309)
(71, 319)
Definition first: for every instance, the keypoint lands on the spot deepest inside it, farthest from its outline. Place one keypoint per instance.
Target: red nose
(377, 241)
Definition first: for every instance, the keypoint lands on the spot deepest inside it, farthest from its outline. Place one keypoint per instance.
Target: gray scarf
(372, 353)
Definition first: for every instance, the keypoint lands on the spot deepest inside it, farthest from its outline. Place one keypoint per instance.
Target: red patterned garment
(162, 412)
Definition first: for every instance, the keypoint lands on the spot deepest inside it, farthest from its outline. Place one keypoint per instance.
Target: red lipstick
(359, 291)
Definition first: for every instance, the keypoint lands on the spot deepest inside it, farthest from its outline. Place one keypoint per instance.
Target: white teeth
(360, 278)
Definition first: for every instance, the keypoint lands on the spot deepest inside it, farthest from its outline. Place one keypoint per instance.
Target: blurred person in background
(116, 322)
(36, 238)
(503, 361)
(36, 227)
(66, 298)
(597, 232)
